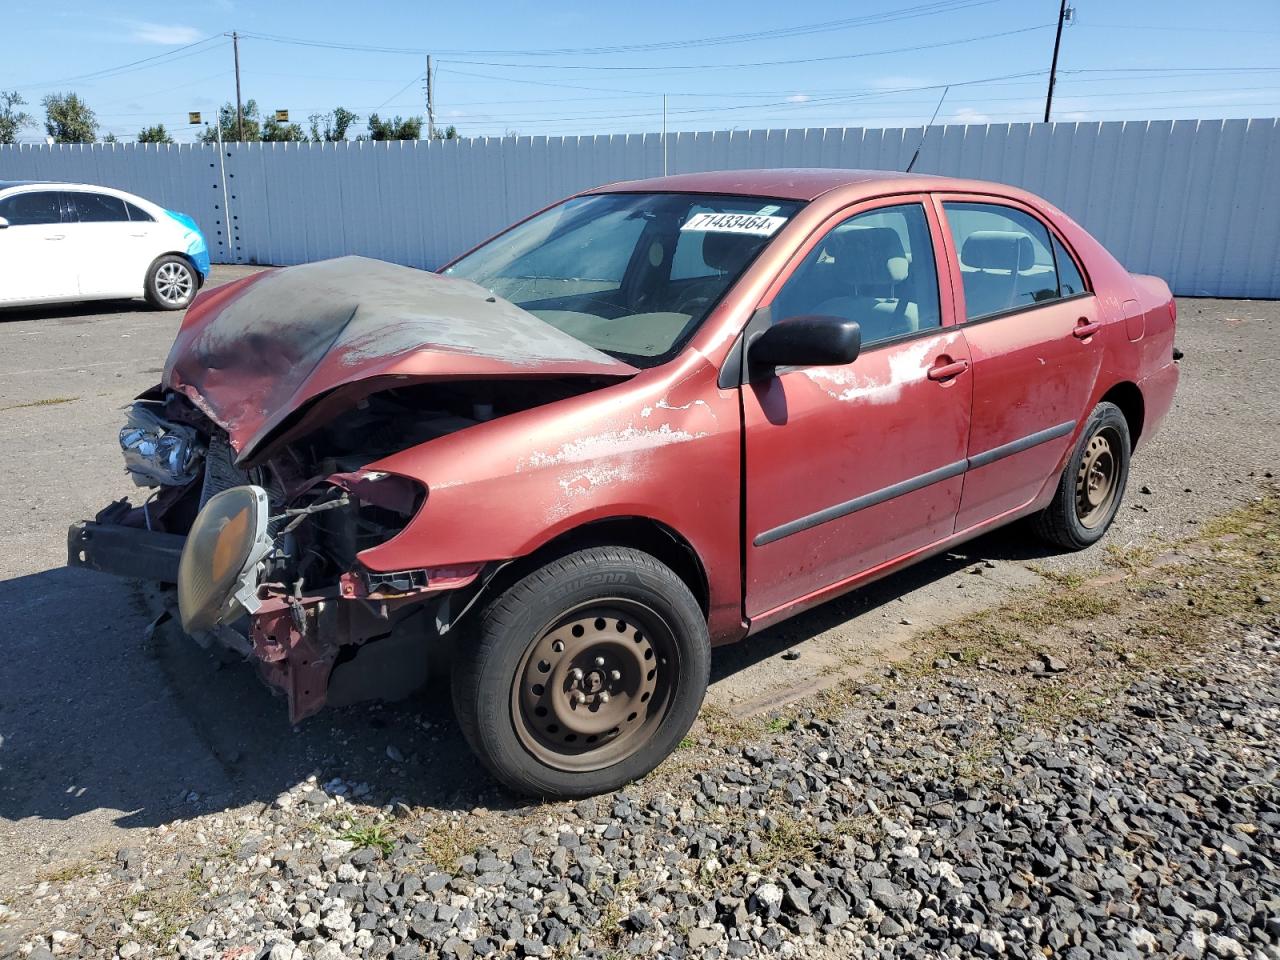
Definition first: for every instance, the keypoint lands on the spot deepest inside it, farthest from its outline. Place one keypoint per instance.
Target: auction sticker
(755, 224)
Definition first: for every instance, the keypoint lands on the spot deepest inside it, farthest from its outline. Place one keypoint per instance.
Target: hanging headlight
(218, 572)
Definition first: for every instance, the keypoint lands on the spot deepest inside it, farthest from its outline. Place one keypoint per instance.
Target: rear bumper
(1157, 398)
(125, 551)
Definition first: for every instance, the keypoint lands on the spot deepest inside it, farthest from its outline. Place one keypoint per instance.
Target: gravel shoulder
(1088, 770)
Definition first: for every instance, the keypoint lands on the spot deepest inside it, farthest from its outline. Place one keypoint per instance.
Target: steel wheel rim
(173, 283)
(1098, 479)
(594, 685)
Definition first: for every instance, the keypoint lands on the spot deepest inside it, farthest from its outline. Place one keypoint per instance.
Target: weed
(50, 402)
(376, 835)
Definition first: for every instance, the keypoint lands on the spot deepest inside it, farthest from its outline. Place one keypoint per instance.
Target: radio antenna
(916, 156)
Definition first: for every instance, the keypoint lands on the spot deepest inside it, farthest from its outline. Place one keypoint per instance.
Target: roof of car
(795, 183)
(6, 184)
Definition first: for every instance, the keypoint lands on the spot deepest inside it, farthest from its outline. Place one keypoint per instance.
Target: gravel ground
(1088, 771)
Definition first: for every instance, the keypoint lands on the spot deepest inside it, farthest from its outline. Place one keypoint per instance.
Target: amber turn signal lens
(226, 541)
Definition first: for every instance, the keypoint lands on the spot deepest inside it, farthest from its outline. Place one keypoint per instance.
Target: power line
(759, 63)
(826, 26)
(143, 64)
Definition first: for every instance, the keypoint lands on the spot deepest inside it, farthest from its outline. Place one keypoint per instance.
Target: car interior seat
(991, 262)
(864, 275)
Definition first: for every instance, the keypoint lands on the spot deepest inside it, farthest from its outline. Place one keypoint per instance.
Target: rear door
(35, 264)
(851, 467)
(112, 252)
(1031, 327)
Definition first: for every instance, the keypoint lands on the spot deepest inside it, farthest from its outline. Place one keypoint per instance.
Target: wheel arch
(185, 256)
(659, 540)
(1128, 397)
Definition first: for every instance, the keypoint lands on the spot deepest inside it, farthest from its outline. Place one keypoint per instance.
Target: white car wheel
(171, 283)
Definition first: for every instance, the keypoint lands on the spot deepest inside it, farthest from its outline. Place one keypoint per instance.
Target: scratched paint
(845, 384)
(610, 444)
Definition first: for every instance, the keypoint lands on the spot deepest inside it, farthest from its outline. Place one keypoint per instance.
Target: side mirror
(805, 341)
(3, 223)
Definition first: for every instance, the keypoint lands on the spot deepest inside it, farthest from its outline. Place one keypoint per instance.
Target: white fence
(1194, 201)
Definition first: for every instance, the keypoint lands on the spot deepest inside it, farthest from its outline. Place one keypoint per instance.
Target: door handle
(144, 234)
(56, 236)
(1085, 328)
(948, 370)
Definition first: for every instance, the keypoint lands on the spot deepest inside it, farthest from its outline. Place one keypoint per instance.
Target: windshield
(631, 274)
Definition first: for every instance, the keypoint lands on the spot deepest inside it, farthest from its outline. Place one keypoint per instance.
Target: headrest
(727, 252)
(869, 254)
(997, 250)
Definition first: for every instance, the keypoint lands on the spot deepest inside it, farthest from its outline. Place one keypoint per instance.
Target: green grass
(377, 835)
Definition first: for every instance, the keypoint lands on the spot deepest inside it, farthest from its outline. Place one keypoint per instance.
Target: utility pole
(1053, 67)
(235, 45)
(431, 100)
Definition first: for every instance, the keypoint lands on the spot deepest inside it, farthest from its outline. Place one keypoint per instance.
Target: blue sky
(538, 67)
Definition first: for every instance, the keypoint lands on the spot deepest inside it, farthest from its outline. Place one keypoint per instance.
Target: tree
(11, 118)
(448, 133)
(227, 121)
(277, 132)
(335, 125)
(397, 129)
(68, 119)
(110, 138)
(156, 134)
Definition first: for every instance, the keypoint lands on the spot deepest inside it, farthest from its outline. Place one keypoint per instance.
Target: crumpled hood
(254, 352)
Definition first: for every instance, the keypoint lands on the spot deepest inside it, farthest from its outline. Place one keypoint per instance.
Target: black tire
(172, 283)
(492, 667)
(1071, 520)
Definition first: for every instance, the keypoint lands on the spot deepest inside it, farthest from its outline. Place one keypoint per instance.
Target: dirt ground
(104, 730)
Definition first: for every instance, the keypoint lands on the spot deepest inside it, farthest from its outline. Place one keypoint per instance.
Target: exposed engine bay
(270, 551)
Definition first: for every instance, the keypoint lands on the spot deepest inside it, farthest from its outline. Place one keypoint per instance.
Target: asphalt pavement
(104, 727)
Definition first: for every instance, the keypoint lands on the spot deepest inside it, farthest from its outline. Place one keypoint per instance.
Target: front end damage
(265, 561)
(259, 456)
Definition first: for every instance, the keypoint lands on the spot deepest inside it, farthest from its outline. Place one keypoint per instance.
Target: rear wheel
(584, 675)
(171, 283)
(1092, 485)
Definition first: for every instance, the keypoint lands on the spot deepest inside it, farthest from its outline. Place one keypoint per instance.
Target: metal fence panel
(1191, 201)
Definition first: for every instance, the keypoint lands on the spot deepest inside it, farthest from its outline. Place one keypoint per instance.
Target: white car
(72, 241)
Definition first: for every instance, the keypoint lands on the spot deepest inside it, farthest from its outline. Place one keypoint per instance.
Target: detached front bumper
(125, 551)
(335, 647)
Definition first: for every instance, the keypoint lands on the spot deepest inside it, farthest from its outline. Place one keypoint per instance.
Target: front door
(35, 261)
(1031, 326)
(851, 467)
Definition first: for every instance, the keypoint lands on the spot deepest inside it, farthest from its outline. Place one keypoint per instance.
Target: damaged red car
(655, 417)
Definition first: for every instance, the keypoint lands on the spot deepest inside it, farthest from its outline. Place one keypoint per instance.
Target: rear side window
(24, 209)
(99, 208)
(1006, 258)
(137, 214)
(1069, 280)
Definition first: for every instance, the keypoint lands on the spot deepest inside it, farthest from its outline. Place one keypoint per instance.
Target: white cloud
(969, 115)
(163, 34)
(799, 98)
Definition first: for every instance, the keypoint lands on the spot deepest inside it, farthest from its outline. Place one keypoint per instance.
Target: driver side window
(876, 268)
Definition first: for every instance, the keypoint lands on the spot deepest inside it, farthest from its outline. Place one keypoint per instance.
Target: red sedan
(653, 418)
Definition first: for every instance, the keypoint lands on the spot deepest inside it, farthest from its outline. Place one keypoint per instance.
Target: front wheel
(171, 283)
(1092, 485)
(584, 675)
